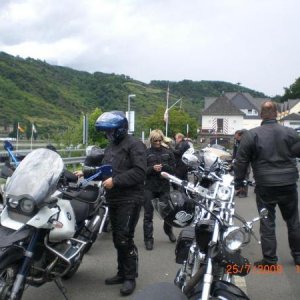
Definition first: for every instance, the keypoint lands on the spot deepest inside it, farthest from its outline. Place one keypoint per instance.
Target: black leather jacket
(128, 160)
(181, 169)
(154, 181)
(269, 149)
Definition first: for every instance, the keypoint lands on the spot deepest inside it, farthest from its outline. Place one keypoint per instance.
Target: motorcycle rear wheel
(7, 279)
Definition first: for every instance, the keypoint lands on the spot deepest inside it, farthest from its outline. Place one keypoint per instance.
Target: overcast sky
(254, 42)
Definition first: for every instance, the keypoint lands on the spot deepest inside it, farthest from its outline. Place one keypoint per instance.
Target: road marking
(241, 283)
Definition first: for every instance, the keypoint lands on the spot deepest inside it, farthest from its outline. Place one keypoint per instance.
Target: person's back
(272, 160)
(269, 148)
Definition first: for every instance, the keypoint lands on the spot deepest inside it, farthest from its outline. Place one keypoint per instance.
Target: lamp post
(129, 96)
(167, 115)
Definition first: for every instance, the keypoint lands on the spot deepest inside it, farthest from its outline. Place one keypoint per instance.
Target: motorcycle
(210, 253)
(206, 167)
(47, 224)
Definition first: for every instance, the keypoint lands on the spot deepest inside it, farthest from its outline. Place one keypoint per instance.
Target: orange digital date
(235, 269)
(267, 269)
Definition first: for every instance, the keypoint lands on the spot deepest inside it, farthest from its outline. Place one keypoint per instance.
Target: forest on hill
(54, 98)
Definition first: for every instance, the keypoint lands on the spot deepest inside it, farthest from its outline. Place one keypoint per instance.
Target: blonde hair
(155, 135)
(179, 135)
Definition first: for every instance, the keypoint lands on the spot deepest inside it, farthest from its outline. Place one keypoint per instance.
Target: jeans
(286, 197)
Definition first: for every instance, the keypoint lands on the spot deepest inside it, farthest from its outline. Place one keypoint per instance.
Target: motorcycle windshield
(36, 176)
(210, 161)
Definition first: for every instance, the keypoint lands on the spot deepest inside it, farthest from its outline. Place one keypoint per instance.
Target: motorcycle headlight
(224, 193)
(27, 206)
(234, 238)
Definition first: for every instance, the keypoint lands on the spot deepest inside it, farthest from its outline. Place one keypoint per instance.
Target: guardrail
(68, 160)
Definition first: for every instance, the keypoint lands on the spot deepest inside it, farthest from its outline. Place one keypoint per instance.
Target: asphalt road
(159, 266)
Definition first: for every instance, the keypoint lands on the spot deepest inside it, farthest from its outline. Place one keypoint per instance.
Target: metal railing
(67, 160)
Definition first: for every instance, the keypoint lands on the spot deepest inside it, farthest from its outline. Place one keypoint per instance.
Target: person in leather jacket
(124, 194)
(159, 159)
(181, 146)
(243, 191)
(269, 150)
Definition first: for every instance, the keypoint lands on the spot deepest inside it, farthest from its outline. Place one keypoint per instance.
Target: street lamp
(167, 114)
(129, 96)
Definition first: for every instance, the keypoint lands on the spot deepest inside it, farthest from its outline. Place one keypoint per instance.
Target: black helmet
(176, 209)
(114, 123)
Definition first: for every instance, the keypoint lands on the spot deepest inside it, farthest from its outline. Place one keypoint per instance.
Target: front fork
(25, 266)
(208, 277)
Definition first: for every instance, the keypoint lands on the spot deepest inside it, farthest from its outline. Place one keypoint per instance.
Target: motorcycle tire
(225, 295)
(7, 278)
(220, 294)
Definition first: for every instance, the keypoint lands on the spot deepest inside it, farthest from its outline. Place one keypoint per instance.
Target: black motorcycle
(210, 249)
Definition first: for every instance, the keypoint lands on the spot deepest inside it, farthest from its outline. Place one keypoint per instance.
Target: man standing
(268, 149)
(124, 194)
(243, 191)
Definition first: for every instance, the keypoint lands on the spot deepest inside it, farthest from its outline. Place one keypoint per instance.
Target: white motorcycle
(45, 229)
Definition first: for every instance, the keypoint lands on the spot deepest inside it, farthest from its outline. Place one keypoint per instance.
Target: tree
(95, 137)
(293, 92)
(178, 121)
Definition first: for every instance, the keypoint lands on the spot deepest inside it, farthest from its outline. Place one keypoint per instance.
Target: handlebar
(187, 185)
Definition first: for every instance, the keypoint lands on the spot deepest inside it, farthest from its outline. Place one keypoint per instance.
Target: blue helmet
(114, 123)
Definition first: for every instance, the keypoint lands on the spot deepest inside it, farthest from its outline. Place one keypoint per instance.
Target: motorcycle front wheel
(225, 295)
(7, 279)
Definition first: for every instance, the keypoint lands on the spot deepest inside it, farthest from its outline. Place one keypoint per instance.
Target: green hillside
(54, 97)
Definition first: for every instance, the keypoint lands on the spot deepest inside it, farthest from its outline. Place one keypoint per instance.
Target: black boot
(172, 237)
(149, 244)
(169, 232)
(117, 279)
(128, 287)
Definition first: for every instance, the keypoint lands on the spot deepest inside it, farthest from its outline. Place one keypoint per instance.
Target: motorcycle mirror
(8, 146)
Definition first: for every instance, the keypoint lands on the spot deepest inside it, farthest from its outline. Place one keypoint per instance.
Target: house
(291, 120)
(289, 113)
(231, 112)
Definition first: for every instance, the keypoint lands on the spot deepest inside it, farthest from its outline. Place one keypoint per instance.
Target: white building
(231, 112)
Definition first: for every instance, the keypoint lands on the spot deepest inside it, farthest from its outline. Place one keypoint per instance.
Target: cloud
(252, 42)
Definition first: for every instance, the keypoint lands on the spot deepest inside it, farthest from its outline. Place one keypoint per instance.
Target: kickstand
(61, 287)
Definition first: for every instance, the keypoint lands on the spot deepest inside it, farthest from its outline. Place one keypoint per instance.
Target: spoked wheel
(7, 278)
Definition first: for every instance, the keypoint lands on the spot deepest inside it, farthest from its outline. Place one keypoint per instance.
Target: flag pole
(167, 111)
(31, 137)
(17, 137)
